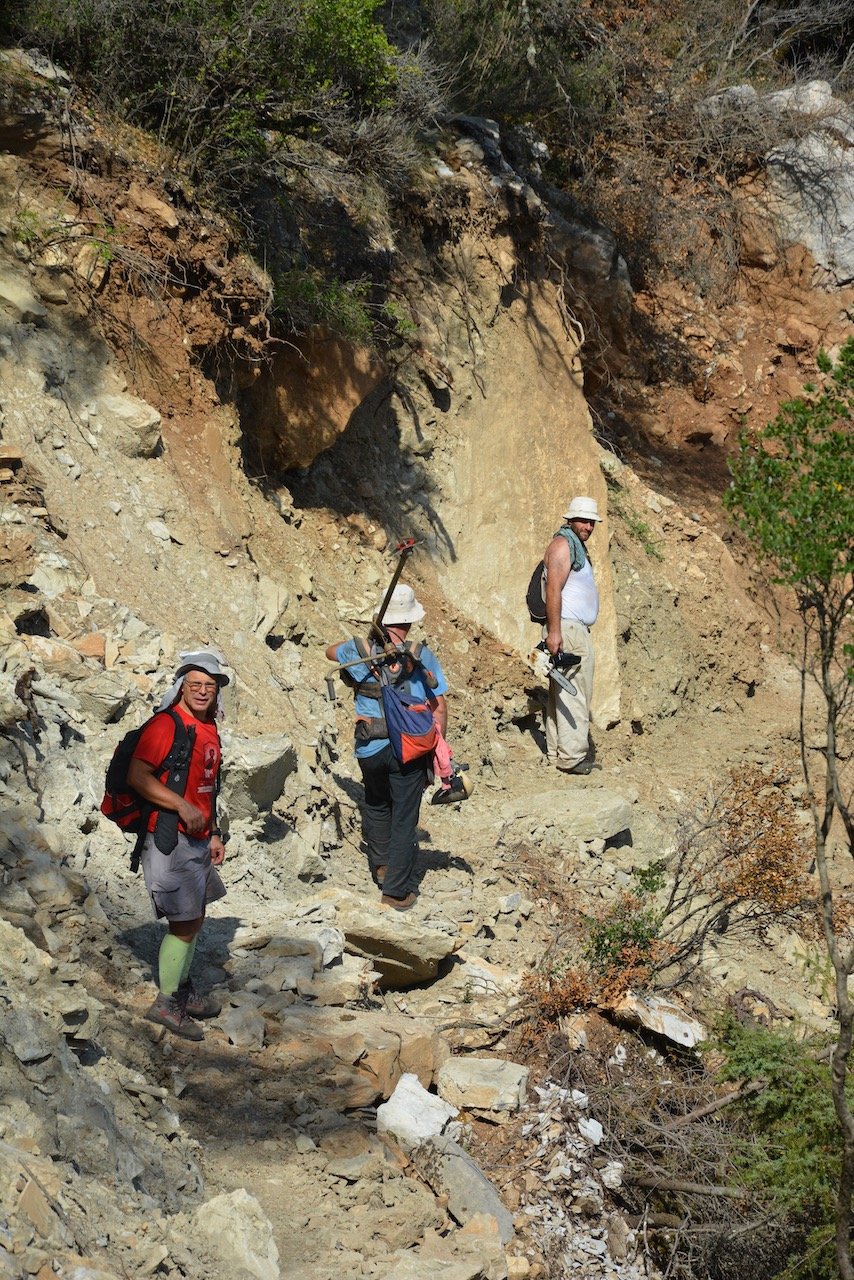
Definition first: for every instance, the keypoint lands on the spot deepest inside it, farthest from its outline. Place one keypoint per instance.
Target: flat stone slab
(403, 949)
(662, 1016)
(358, 1055)
(572, 812)
(483, 1085)
(451, 1172)
(257, 771)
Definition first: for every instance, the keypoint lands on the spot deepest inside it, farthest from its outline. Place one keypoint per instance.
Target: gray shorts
(181, 883)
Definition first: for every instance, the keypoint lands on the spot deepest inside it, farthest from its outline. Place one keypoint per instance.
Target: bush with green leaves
(789, 1154)
(223, 83)
(623, 938)
(793, 484)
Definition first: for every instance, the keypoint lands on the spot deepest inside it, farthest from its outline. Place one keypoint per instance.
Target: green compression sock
(191, 951)
(171, 961)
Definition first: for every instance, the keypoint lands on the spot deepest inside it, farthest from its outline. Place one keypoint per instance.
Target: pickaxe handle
(404, 551)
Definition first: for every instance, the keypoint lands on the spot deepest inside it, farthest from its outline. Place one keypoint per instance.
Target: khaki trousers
(568, 715)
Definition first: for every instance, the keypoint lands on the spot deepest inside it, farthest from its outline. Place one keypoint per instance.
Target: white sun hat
(209, 660)
(403, 607)
(583, 509)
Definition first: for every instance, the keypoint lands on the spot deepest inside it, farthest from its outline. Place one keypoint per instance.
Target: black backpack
(129, 810)
(535, 596)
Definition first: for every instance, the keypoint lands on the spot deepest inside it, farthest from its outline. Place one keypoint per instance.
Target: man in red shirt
(184, 845)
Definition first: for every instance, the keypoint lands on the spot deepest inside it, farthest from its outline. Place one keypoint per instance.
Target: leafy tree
(792, 493)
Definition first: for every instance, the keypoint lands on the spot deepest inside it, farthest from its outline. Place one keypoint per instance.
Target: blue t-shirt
(347, 652)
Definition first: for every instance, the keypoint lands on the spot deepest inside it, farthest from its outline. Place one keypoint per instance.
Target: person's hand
(217, 851)
(554, 643)
(192, 818)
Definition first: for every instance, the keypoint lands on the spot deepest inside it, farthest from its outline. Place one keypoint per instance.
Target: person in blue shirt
(393, 790)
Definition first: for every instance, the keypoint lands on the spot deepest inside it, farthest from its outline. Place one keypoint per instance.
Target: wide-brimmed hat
(202, 660)
(207, 660)
(583, 509)
(403, 607)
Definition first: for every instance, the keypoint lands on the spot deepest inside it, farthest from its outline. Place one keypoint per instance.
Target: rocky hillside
(368, 1103)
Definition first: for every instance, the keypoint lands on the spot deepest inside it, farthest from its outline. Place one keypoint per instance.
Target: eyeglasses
(203, 688)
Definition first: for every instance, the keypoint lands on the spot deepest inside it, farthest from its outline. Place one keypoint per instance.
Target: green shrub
(219, 82)
(622, 947)
(792, 1151)
(306, 299)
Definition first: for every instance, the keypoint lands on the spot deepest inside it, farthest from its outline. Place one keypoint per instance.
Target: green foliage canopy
(792, 489)
(219, 80)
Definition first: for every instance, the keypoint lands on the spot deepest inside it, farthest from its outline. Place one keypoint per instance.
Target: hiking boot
(399, 904)
(194, 1004)
(379, 875)
(167, 1012)
(582, 768)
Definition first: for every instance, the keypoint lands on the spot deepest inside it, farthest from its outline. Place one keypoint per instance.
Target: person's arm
(332, 650)
(558, 568)
(143, 779)
(440, 713)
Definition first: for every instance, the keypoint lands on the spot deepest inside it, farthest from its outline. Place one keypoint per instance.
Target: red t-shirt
(154, 745)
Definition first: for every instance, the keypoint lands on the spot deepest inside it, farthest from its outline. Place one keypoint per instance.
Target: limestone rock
(132, 426)
(18, 300)
(146, 202)
(483, 1085)
(473, 1252)
(363, 1056)
(403, 949)
(343, 983)
(239, 1233)
(657, 1014)
(272, 599)
(452, 1172)
(412, 1114)
(255, 773)
(323, 943)
(243, 1025)
(589, 813)
(102, 695)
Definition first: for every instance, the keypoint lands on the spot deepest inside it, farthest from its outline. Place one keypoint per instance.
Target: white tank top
(579, 599)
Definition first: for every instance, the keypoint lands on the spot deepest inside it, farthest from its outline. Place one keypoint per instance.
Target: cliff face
(168, 477)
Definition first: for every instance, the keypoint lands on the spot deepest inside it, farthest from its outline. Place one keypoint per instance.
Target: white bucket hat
(203, 660)
(403, 607)
(209, 660)
(583, 509)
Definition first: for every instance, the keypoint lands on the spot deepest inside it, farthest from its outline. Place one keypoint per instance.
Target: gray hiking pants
(568, 715)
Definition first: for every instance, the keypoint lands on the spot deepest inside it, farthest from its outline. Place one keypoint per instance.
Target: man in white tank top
(572, 606)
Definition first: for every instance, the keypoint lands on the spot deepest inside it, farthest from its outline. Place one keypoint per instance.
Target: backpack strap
(217, 782)
(175, 765)
(370, 686)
